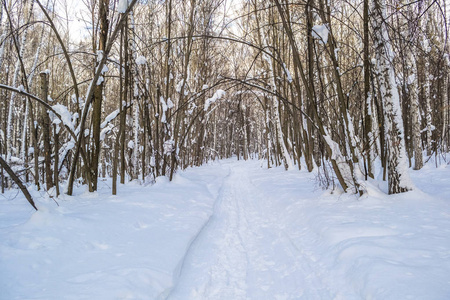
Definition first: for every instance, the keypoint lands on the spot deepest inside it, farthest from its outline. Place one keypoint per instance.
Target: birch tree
(398, 177)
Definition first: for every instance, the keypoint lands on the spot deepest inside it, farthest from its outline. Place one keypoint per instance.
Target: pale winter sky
(79, 16)
(75, 13)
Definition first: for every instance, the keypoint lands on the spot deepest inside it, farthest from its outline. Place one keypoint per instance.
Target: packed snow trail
(230, 230)
(244, 252)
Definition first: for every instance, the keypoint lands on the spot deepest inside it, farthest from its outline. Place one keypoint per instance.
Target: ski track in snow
(230, 230)
(245, 253)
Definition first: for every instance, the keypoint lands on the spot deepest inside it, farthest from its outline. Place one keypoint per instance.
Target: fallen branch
(17, 181)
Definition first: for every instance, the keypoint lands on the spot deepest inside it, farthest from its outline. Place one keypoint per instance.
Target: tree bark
(46, 129)
(98, 98)
(398, 177)
(368, 134)
(55, 168)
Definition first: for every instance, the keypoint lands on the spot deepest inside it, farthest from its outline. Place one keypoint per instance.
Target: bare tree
(398, 177)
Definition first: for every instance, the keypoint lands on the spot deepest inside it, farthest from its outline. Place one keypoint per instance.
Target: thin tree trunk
(2, 176)
(368, 134)
(55, 168)
(2, 36)
(118, 136)
(136, 137)
(36, 148)
(444, 112)
(45, 123)
(144, 141)
(415, 121)
(311, 104)
(123, 106)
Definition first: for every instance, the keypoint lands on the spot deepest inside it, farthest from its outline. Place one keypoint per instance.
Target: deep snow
(230, 230)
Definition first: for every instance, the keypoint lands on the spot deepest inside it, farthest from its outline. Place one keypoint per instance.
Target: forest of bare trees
(349, 88)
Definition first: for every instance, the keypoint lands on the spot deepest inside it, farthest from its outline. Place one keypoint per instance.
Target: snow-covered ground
(230, 230)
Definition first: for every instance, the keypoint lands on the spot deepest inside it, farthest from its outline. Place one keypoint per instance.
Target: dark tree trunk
(56, 165)
(45, 123)
(98, 98)
(368, 141)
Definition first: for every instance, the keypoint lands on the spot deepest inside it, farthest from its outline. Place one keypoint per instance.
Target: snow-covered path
(246, 251)
(230, 230)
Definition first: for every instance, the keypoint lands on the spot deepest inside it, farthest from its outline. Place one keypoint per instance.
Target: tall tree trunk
(2, 176)
(34, 133)
(368, 134)
(46, 129)
(415, 121)
(136, 128)
(56, 130)
(445, 110)
(98, 97)
(134, 172)
(118, 136)
(2, 36)
(398, 177)
(311, 104)
(124, 105)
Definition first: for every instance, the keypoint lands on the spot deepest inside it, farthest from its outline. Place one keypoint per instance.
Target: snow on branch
(57, 112)
(65, 115)
(109, 118)
(321, 32)
(217, 95)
